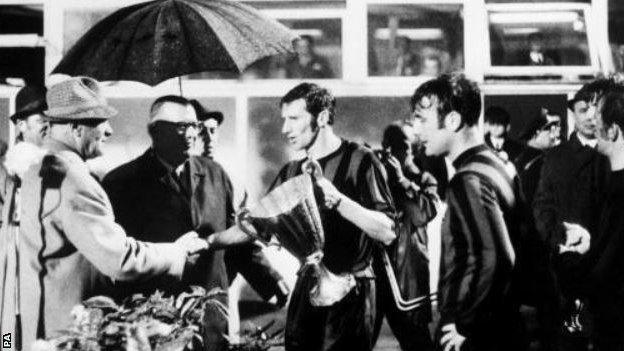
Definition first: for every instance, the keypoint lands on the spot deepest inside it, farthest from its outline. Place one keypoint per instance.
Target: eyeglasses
(181, 127)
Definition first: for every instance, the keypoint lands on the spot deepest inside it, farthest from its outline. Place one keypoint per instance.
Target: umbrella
(157, 40)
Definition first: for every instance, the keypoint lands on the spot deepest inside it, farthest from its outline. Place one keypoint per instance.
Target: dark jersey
(477, 233)
(357, 173)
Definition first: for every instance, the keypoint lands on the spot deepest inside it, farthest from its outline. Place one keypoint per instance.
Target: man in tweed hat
(70, 247)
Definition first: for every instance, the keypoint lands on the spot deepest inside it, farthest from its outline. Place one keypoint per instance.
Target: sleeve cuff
(177, 260)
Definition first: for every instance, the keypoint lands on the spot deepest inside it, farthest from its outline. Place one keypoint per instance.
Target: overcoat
(572, 188)
(70, 247)
(152, 205)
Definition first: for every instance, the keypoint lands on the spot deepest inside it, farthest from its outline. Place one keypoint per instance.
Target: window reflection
(411, 40)
(545, 38)
(318, 54)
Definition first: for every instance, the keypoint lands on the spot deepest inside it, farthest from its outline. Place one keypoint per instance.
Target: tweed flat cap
(77, 99)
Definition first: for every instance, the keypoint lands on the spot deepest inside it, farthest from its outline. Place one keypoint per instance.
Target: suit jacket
(68, 241)
(151, 204)
(572, 188)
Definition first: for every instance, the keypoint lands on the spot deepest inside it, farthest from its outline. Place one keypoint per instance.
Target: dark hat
(581, 95)
(77, 99)
(204, 115)
(30, 100)
(537, 123)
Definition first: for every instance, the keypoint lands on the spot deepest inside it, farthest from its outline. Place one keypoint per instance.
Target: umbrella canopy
(154, 41)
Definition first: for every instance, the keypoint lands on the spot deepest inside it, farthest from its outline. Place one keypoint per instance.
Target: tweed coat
(70, 246)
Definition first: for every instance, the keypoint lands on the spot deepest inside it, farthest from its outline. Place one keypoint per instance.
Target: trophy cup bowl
(290, 212)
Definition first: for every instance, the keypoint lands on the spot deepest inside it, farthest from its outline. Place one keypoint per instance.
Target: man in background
(30, 128)
(415, 196)
(571, 192)
(497, 125)
(605, 259)
(307, 63)
(538, 281)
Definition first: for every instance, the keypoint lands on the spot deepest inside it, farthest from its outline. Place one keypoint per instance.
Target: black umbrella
(154, 41)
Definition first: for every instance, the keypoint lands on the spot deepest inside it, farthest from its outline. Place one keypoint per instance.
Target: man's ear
(21, 125)
(77, 130)
(453, 121)
(322, 119)
(614, 132)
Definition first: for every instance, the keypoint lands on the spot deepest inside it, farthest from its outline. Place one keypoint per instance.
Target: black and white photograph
(312, 175)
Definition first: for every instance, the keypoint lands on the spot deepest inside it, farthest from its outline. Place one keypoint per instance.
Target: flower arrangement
(155, 323)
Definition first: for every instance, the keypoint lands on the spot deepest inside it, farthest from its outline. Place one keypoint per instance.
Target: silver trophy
(290, 213)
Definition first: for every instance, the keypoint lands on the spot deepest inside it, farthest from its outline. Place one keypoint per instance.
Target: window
(414, 39)
(318, 54)
(22, 48)
(538, 38)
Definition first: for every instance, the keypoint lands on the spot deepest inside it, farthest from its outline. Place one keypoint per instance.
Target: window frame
(564, 71)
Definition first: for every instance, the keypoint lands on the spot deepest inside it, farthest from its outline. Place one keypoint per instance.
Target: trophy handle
(243, 217)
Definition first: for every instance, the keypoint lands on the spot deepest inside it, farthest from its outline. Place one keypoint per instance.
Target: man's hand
(577, 239)
(331, 195)
(395, 166)
(192, 243)
(451, 340)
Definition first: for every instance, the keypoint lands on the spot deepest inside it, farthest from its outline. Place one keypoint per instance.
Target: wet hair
(453, 92)
(598, 88)
(497, 115)
(317, 99)
(394, 135)
(613, 108)
(176, 99)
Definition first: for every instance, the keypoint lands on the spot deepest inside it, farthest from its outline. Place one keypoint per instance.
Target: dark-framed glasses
(181, 127)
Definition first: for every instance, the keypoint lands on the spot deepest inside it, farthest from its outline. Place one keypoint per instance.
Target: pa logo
(6, 341)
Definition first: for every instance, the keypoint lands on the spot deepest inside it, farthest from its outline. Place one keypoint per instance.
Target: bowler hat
(77, 99)
(203, 114)
(30, 100)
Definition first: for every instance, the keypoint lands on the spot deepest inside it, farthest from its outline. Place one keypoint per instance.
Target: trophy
(290, 213)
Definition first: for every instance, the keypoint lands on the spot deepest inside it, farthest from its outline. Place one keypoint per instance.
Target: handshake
(192, 243)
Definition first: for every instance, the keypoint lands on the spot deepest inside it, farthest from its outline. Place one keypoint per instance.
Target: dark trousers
(215, 325)
(346, 325)
(608, 317)
(409, 327)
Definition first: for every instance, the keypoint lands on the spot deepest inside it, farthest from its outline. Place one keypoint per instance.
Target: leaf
(101, 302)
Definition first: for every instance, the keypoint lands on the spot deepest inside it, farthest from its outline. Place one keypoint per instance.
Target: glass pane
(21, 19)
(539, 38)
(318, 55)
(27, 64)
(77, 22)
(411, 40)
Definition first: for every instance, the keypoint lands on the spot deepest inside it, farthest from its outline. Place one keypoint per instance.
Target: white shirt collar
(587, 142)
